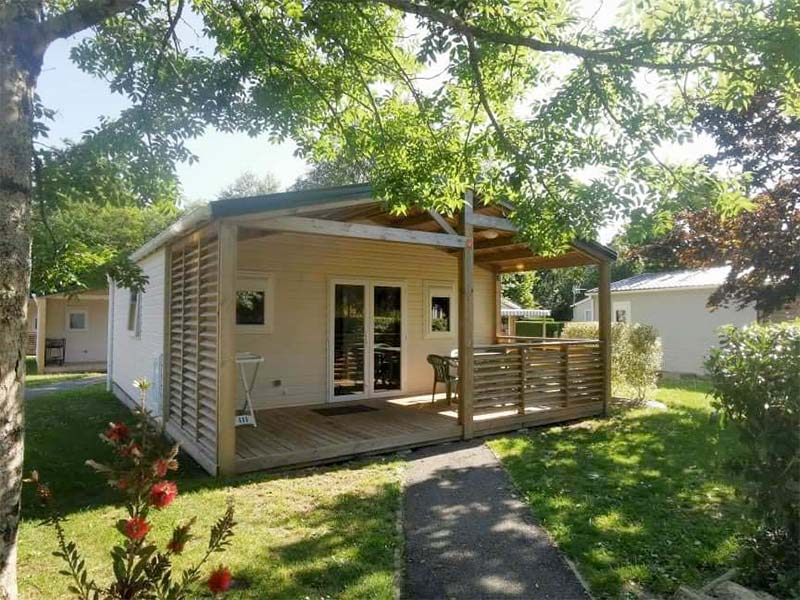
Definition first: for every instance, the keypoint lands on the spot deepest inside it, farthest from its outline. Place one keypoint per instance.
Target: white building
(675, 304)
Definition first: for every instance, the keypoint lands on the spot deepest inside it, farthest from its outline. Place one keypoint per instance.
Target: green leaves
(757, 387)
(525, 101)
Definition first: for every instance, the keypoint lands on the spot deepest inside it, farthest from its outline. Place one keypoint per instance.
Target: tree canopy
(250, 184)
(525, 101)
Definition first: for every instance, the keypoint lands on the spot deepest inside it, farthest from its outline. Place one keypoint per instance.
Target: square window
(77, 320)
(254, 302)
(622, 312)
(250, 305)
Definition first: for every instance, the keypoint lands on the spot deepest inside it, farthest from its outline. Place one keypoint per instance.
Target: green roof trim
(283, 200)
(595, 249)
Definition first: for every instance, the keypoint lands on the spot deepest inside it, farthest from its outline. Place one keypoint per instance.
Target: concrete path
(61, 386)
(469, 537)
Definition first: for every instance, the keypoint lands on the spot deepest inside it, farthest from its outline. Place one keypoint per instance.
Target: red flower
(220, 580)
(162, 465)
(117, 432)
(132, 449)
(175, 546)
(122, 484)
(136, 528)
(163, 493)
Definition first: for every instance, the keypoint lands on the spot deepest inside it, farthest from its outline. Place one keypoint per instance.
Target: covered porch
(503, 383)
(535, 382)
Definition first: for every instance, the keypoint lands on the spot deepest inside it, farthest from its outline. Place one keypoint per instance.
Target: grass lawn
(317, 533)
(640, 500)
(34, 380)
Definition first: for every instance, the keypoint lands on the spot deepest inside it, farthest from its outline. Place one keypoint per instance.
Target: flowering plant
(142, 462)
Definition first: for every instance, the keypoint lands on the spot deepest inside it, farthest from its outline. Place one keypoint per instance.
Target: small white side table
(246, 416)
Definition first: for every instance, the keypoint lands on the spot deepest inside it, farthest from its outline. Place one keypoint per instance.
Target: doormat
(335, 411)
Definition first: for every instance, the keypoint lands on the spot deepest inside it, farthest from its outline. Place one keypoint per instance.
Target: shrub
(635, 355)
(755, 375)
(142, 461)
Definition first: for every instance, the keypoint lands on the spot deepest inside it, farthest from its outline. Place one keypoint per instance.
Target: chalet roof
(330, 210)
(689, 279)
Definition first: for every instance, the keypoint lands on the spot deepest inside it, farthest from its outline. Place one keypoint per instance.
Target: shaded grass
(639, 500)
(317, 533)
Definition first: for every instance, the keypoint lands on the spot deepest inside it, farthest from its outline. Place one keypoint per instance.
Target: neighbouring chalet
(68, 332)
(328, 312)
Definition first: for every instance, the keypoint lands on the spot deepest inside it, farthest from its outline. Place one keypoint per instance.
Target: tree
(759, 140)
(761, 246)
(343, 77)
(518, 287)
(250, 184)
(329, 173)
(80, 243)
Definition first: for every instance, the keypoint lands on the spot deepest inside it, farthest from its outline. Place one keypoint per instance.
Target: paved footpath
(468, 536)
(61, 386)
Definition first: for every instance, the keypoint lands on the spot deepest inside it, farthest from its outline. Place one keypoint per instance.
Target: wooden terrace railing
(540, 372)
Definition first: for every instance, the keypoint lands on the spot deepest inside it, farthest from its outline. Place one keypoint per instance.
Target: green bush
(755, 375)
(534, 328)
(635, 355)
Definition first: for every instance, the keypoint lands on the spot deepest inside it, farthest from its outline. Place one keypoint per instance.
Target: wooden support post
(604, 323)
(523, 375)
(565, 372)
(498, 307)
(466, 356)
(41, 333)
(226, 349)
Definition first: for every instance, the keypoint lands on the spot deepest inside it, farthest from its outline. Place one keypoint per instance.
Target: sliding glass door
(367, 339)
(349, 316)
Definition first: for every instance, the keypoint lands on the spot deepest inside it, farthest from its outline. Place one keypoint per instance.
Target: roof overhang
(353, 211)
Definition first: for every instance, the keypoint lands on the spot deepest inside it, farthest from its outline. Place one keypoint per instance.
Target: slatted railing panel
(585, 374)
(497, 379)
(192, 390)
(542, 375)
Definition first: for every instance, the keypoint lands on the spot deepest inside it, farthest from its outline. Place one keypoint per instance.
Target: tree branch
(609, 55)
(85, 14)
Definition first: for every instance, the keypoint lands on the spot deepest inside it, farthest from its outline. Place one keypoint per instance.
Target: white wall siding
(135, 357)
(687, 328)
(303, 266)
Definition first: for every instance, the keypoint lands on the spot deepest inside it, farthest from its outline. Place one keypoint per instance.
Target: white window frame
(77, 311)
(258, 281)
(621, 305)
(439, 289)
(136, 297)
(587, 314)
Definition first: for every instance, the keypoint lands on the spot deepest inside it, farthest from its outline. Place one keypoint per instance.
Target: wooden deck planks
(299, 436)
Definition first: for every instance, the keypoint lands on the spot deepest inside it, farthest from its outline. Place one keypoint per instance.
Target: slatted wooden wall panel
(192, 406)
(549, 375)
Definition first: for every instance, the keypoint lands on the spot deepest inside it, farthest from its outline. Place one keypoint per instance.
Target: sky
(80, 100)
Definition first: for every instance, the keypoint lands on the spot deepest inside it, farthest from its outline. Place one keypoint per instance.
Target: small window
(622, 312)
(587, 314)
(254, 299)
(440, 314)
(250, 307)
(134, 313)
(77, 319)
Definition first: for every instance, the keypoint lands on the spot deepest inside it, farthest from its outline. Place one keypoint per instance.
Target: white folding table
(246, 416)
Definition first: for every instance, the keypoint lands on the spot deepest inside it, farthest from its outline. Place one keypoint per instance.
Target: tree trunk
(19, 68)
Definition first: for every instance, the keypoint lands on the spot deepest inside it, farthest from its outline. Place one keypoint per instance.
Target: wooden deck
(300, 436)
